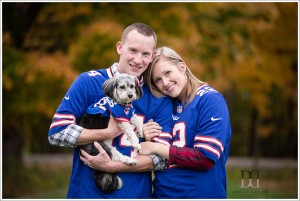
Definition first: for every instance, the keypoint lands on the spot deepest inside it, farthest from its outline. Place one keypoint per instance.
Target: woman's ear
(182, 67)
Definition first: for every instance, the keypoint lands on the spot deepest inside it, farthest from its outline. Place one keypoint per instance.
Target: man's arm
(74, 135)
(103, 162)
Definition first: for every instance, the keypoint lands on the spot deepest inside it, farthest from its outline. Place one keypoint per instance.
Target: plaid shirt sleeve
(159, 162)
(67, 137)
(189, 158)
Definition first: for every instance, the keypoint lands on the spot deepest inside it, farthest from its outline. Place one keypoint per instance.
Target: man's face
(135, 53)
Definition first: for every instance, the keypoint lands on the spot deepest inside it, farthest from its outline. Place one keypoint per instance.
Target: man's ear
(119, 47)
(153, 54)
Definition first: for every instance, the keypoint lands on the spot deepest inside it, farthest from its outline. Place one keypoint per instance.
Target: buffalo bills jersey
(205, 125)
(106, 106)
(85, 91)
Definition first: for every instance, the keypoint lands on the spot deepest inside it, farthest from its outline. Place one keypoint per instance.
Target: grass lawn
(277, 184)
(52, 183)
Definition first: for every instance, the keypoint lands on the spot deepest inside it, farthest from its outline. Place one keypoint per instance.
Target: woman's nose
(165, 81)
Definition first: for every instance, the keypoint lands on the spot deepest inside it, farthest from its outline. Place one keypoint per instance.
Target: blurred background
(248, 51)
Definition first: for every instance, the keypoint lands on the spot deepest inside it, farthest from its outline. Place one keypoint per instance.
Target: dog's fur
(123, 89)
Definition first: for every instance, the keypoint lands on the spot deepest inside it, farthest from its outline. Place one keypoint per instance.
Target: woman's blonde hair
(171, 56)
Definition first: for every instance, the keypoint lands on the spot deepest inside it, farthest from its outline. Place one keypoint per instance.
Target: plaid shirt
(159, 162)
(189, 158)
(67, 137)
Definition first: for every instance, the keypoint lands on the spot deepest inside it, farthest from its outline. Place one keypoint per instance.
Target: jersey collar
(113, 71)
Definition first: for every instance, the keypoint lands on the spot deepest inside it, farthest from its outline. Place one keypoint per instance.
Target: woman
(198, 148)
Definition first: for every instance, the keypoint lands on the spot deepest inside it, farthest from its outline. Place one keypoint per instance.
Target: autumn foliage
(247, 51)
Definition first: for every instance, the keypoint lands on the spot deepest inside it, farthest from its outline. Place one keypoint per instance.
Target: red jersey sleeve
(192, 158)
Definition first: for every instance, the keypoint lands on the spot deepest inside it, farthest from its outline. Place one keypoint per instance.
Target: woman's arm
(181, 156)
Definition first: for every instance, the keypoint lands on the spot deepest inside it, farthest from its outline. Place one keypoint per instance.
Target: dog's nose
(130, 95)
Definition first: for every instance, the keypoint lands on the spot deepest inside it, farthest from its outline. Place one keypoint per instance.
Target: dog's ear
(109, 86)
(138, 88)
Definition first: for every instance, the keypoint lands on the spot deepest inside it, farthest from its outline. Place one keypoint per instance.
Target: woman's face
(170, 79)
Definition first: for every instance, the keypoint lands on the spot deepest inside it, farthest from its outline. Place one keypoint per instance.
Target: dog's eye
(131, 86)
(122, 87)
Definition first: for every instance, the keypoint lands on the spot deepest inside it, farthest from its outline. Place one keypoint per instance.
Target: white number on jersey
(180, 129)
(124, 140)
(93, 73)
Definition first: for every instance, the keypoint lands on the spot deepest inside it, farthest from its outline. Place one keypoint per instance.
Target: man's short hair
(142, 29)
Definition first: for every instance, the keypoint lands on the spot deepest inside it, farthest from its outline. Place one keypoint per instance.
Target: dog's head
(123, 88)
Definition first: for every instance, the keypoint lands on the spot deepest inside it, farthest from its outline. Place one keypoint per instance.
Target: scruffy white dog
(120, 92)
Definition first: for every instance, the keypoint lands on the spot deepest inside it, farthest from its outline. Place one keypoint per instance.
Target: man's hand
(101, 161)
(113, 127)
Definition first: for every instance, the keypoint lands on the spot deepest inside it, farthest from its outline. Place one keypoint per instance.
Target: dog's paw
(137, 147)
(131, 161)
(128, 160)
(140, 134)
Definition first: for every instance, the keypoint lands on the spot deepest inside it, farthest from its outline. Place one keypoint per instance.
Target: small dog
(120, 92)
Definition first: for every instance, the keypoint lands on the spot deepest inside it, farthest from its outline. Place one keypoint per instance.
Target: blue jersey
(106, 106)
(205, 125)
(85, 91)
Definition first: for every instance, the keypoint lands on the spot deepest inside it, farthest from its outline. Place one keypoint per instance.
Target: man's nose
(138, 59)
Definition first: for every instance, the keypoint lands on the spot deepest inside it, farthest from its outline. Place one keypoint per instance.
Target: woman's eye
(157, 80)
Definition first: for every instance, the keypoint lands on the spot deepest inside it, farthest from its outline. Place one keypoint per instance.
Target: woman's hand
(151, 129)
(99, 162)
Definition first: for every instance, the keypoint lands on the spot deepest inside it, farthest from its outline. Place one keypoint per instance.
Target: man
(136, 52)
